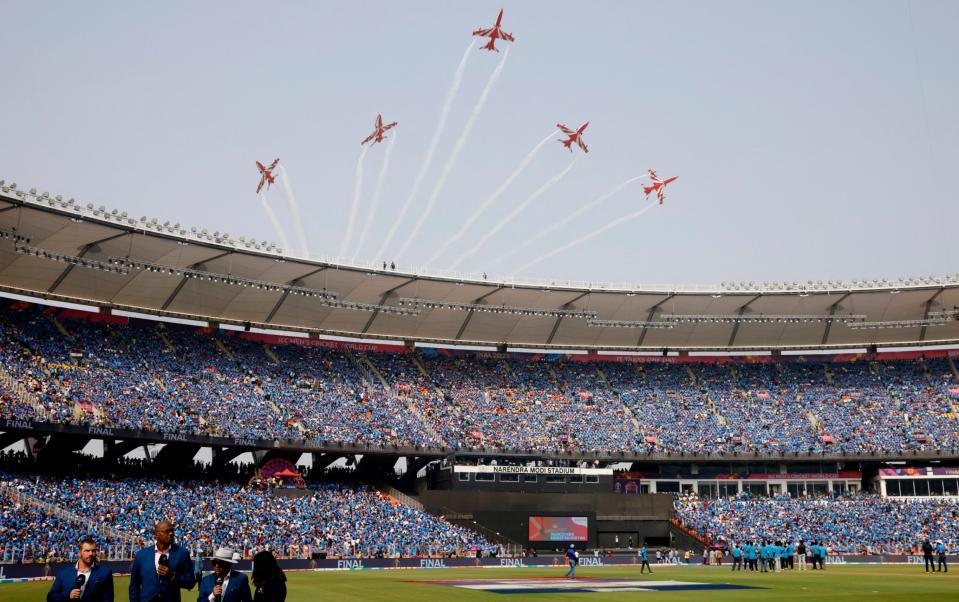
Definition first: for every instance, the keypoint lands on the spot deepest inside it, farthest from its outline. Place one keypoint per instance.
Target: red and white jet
(659, 186)
(266, 174)
(574, 136)
(378, 130)
(493, 33)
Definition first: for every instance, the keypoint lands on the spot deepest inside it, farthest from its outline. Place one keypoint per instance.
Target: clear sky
(813, 139)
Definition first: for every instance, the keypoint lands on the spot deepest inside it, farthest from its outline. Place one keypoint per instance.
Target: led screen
(558, 528)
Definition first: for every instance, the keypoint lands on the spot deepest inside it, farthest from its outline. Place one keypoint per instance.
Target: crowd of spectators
(339, 520)
(183, 379)
(847, 524)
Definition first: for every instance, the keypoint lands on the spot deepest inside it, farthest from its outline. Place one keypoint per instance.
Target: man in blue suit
(224, 584)
(160, 571)
(86, 581)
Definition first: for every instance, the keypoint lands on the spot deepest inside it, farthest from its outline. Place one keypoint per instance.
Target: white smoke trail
(454, 155)
(376, 196)
(271, 215)
(512, 214)
(570, 217)
(357, 189)
(489, 201)
(444, 114)
(294, 210)
(586, 237)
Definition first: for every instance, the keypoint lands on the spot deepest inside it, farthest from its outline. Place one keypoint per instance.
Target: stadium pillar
(501, 348)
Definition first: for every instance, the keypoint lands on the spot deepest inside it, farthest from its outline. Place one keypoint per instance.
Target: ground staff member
(571, 559)
(645, 559)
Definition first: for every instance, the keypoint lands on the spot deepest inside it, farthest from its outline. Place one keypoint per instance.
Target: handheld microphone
(81, 579)
(164, 560)
(219, 581)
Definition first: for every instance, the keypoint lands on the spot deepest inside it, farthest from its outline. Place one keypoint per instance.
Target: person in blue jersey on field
(645, 560)
(571, 558)
(941, 555)
(764, 557)
(753, 556)
(791, 555)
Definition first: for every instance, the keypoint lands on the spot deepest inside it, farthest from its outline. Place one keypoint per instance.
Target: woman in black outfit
(269, 582)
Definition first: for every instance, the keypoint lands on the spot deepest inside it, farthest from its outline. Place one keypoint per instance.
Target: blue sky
(813, 140)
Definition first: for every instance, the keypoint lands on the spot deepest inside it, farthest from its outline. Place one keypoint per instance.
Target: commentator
(224, 584)
(159, 571)
(87, 580)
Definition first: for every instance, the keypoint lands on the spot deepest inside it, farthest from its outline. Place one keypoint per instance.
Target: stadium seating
(180, 379)
(339, 520)
(860, 524)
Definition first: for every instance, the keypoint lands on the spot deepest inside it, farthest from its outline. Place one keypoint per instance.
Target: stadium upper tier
(67, 366)
(63, 250)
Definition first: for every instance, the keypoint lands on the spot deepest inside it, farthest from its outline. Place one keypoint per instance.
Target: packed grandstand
(80, 368)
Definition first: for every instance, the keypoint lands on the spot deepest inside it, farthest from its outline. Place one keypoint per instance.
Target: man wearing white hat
(224, 584)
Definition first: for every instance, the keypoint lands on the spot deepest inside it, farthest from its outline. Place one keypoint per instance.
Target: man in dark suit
(160, 571)
(86, 581)
(224, 584)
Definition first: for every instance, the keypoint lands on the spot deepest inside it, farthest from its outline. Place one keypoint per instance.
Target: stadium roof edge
(144, 267)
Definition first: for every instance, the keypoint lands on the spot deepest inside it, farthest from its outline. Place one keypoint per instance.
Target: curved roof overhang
(59, 250)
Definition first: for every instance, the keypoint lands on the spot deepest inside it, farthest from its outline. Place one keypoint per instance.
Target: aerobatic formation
(657, 185)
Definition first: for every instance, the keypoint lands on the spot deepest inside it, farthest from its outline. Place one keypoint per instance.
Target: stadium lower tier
(68, 366)
(858, 525)
(45, 517)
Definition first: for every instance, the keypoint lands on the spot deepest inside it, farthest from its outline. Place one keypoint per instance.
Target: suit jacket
(99, 586)
(145, 583)
(237, 590)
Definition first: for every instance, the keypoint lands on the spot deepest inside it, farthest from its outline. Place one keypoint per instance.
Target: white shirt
(156, 556)
(86, 577)
(226, 581)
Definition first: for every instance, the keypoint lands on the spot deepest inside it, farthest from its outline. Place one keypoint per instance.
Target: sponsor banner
(559, 470)
(919, 472)
(17, 572)
(273, 339)
(791, 476)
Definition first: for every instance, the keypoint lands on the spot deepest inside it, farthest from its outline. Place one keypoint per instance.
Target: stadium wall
(30, 572)
(641, 517)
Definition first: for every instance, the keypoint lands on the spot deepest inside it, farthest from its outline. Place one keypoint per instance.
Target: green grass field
(904, 582)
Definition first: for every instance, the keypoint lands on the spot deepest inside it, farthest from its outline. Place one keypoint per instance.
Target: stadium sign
(555, 470)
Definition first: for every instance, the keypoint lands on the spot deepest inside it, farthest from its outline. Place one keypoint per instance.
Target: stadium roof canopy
(56, 249)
